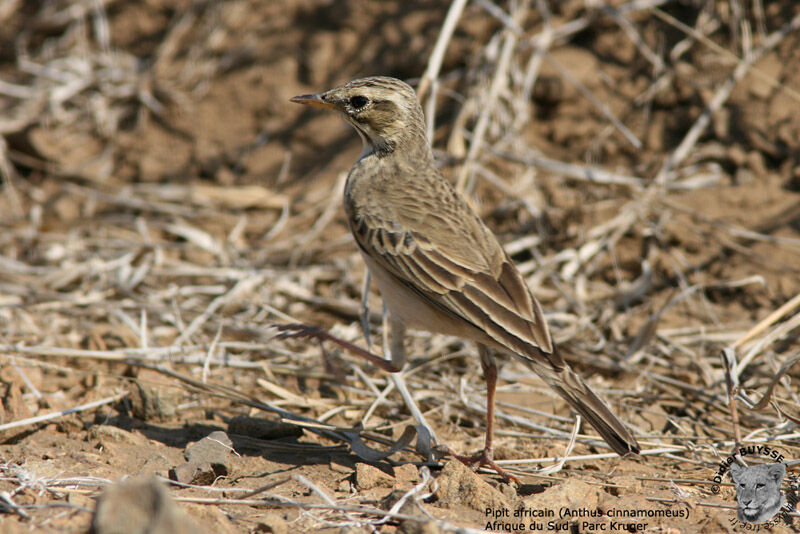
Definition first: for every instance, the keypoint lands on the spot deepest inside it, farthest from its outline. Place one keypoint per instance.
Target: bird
(437, 265)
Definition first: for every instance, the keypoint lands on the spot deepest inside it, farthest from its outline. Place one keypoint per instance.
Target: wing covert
(498, 303)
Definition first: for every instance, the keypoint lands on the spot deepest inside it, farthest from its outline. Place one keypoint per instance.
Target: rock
(213, 518)
(272, 523)
(626, 485)
(139, 506)
(215, 449)
(104, 434)
(206, 460)
(392, 498)
(79, 499)
(770, 68)
(194, 472)
(71, 149)
(369, 477)
(14, 405)
(163, 154)
(573, 494)
(406, 475)
(409, 526)
(342, 465)
(156, 464)
(418, 527)
(581, 63)
(459, 485)
(262, 428)
(507, 491)
(34, 374)
(154, 403)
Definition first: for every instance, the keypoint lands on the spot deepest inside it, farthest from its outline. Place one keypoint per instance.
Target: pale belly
(417, 314)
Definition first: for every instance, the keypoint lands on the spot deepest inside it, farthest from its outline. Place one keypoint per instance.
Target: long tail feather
(575, 391)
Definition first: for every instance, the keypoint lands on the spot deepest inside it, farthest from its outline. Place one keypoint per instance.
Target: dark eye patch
(358, 101)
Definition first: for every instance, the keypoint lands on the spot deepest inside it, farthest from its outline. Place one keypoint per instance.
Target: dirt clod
(572, 493)
(459, 485)
(153, 403)
(272, 523)
(406, 475)
(409, 526)
(139, 506)
(104, 434)
(215, 449)
(197, 472)
(14, 406)
(369, 477)
(206, 460)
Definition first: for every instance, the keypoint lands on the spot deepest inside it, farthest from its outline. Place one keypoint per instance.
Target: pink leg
(486, 457)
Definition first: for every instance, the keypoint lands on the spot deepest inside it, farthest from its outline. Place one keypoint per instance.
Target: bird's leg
(486, 457)
(394, 335)
(490, 375)
(365, 311)
(394, 342)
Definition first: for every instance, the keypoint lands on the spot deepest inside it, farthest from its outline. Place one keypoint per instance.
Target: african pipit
(437, 266)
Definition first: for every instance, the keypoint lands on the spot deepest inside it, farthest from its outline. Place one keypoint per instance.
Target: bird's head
(383, 110)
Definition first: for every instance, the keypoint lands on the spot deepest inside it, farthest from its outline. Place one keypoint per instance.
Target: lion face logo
(758, 491)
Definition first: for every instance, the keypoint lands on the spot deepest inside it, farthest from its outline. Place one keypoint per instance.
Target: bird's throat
(372, 144)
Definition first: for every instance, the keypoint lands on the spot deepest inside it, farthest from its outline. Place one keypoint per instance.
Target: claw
(485, 457)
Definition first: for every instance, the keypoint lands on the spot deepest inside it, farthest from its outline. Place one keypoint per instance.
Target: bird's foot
(485, 457)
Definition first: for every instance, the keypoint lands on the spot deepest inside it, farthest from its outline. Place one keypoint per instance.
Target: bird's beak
(313, 100)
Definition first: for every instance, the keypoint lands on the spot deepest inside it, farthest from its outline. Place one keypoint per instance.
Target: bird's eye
(358, 101)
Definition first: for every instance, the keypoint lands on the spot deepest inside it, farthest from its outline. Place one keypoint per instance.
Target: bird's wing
(452, 260)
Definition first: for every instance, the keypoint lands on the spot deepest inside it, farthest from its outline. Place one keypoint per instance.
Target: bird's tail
(575, 391)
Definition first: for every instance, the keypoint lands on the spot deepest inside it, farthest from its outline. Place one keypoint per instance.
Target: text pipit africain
(437, 266)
